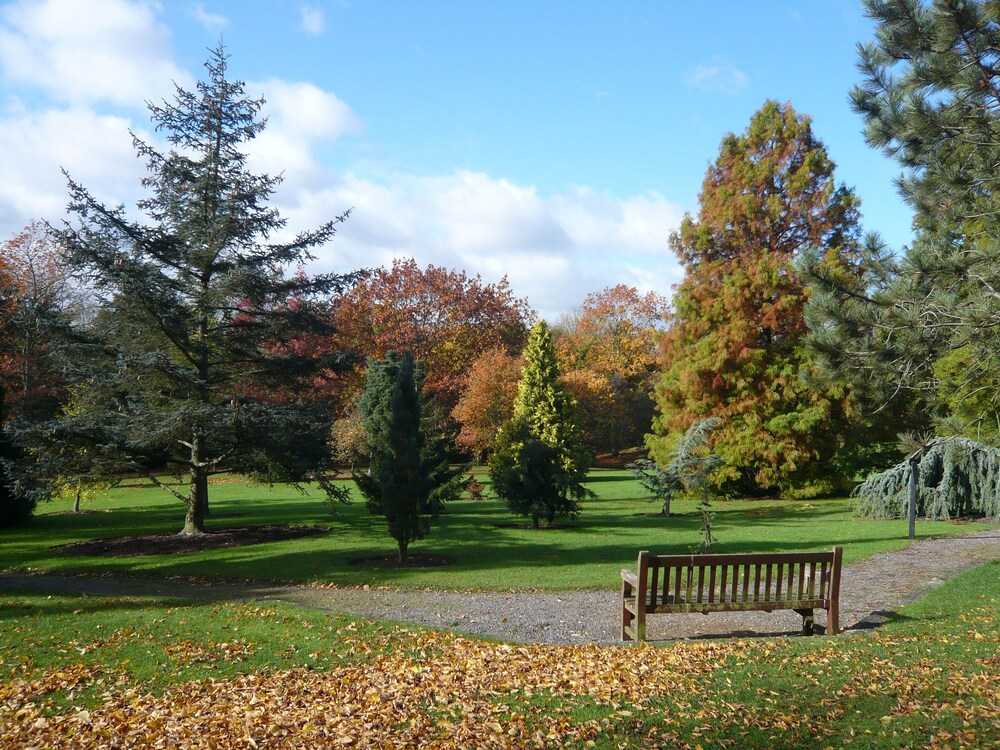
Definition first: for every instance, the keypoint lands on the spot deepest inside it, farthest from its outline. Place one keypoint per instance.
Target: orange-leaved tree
(487, 401)
(608, 352)
(615, 333)
(735, 345)
(444, 317)
(35, 288)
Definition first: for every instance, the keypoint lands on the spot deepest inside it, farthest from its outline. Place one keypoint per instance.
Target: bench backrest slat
(653, 584)
(752, 558)
(733, 579)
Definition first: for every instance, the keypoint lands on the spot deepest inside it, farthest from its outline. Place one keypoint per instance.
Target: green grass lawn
(489, 548)
(929, 678)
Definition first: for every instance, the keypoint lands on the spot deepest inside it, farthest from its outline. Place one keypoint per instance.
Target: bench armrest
(629, 577)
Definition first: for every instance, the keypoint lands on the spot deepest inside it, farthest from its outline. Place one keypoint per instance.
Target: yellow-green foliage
(970, 393)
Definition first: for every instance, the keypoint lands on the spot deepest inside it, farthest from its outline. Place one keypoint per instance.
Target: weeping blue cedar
(956, 477)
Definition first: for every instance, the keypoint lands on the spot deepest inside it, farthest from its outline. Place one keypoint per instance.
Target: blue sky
(555, 142)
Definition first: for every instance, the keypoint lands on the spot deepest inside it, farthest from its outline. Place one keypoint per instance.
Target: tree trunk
(194, 521)
(203, 495)
(76, 503)
(534, 520)
(402, 551)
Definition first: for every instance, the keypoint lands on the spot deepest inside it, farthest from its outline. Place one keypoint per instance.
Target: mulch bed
(160, 544)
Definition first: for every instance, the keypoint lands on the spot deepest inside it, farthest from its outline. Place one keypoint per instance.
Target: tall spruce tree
(192, 360)
(409, 479)
(539, 464)
(735, 348)
(926, 321)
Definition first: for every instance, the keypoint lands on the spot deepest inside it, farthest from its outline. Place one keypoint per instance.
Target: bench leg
(640, 626)
(807, 621)
(833, 619)
(627, 616)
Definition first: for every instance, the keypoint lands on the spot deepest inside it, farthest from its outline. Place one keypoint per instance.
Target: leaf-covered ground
(247, 677)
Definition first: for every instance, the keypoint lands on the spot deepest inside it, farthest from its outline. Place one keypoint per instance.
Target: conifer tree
(539, 464)
(16, 505)
(735, 347)
(955, 477)
(925, 320)
(543, 402)
(409, 478)
(192, 359)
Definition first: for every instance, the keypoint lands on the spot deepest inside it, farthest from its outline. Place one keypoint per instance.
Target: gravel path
(870, 591)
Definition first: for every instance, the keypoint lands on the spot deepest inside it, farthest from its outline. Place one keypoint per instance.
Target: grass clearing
(491, 550)
(76, 671)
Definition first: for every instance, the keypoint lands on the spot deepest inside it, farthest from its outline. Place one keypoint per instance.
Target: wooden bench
(800, 581)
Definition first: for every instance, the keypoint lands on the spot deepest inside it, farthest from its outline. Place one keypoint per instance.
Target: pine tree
(409, 479)
(539, 464)
(688, 469)
(924, 321)
(192, 359)
(735, 348)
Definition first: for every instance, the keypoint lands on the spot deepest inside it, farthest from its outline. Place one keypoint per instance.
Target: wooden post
(626, 615)
(833, 611)
(641, 594)
(914, 489)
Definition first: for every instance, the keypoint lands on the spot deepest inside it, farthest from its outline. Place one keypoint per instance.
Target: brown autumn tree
(445, 318)
(487, 400)
(597, 409)
(608, 352)
(735, 347)
(36, 289)
(8, 307)
(615, 332)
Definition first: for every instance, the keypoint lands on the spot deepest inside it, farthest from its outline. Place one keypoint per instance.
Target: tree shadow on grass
(79, 604)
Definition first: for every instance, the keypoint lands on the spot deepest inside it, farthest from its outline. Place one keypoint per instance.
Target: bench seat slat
(749, 606)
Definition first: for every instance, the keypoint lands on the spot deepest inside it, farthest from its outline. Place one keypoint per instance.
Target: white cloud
(299, 116)
(95, 149)
(101, 50)
(312, 19)
(305, 109)
(720, 78)
(211, 21)
(554, 249)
